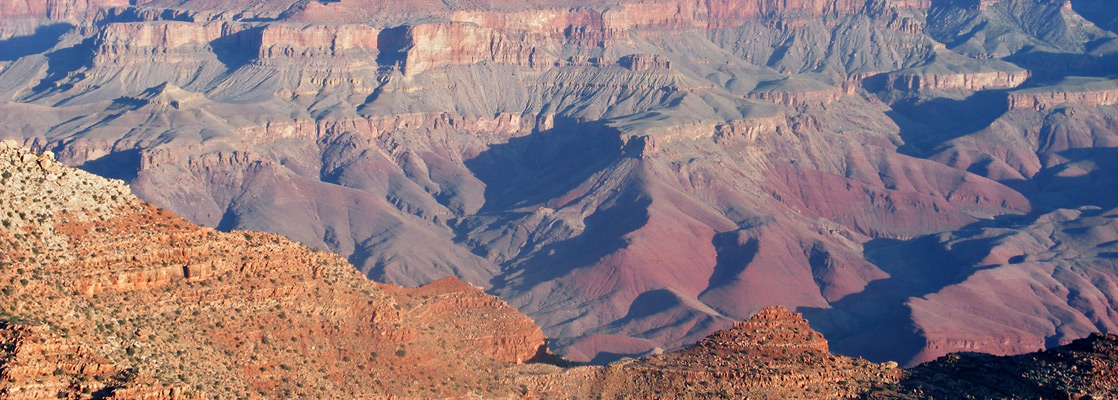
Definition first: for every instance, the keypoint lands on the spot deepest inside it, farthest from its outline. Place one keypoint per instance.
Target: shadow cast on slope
(238, 49)
(927, 124)
(875, 323)
(1098, 186)
(123, 165)
(858, 323)
(392, 46)
(1102, 13)
(545, 164)
(602, 236)
(731, 258)
(1048, 68)
(541, 168)
(44, 38)
(61, 62)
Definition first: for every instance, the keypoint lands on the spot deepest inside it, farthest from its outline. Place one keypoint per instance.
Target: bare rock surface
(117, 299)
(631, 175)
(774, 354)
(110, 297)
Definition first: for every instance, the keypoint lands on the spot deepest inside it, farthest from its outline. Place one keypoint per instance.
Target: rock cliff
(1072, 92)
(293, 39)
(967, 81)
(111, 297)
(1083, 369)
(632, 175)
(107, 297)
(65, 10)
(773, 354)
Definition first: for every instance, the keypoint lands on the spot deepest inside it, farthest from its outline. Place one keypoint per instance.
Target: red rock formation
(434, 45)
(774, 353)
(63, 10)
(160, 42)
(39, 363)
(574, 156)
(12, 9)
(150, 306)
(1083, 369)
(316, 41)
(113, 298)
(504, 337)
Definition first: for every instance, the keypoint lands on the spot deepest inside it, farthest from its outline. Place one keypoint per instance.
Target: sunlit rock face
(630, 175)
(111, 297)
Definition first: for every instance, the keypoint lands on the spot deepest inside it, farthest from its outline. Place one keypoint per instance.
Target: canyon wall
(632, 175)
(115, 298)
(257, 312)
(976, 81)
(1041, 100)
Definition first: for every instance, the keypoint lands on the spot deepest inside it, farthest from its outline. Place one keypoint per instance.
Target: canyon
(917, 178)
(109, 297)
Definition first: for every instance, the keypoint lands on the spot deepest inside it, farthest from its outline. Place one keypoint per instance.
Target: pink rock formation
(634, 175)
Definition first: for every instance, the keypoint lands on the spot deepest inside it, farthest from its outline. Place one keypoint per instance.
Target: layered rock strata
(633, 175)
(111, 296)
(772, 354)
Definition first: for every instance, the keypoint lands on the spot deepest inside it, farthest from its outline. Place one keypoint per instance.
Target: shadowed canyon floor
(917, 177)
(108, 297)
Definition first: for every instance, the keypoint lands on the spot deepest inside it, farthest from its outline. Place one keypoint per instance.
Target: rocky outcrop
(40, 176)
(966, 81)
(1041, 100)
(168, 309)
(430, 46)
(507, 124)
(1083, 369)
(801, 98)
(645, 62)
(504, 337)
(572, 156)
(774, 353)
(36, 362)
(162, 42)
(316, 42)
(772, 330)
(59, 10)
(751, 128)
(164, 95)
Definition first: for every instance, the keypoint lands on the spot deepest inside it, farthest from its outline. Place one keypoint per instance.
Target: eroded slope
(108, 295)
(632, 175)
